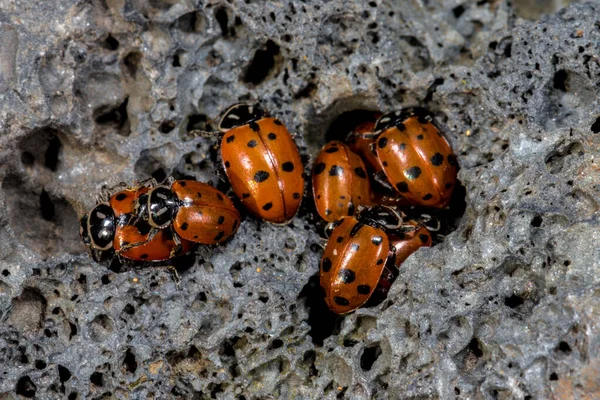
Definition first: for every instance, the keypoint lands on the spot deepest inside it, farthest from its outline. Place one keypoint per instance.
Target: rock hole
(72, 396)
(26, 387)
(63, 374)
(308, 361)
(111, 43)
(560, 80)
(458, 11)
(47, 206)
(129, 363)
(100, 327)
(536, 221)
(132, 62)
(264, 297)
(116, 117)
(276, 344)
(52, 151)
(564, 347)
(40, 364)
(97, 379)
(553, 376)
(346, 122)
(199, 122)
(596, 126)
(475, 348)
(263, 63)
(322, 321)
(193, 22)
(166, 126)
(28, 311)
(369, 356)
(223, 20)
(513, 301)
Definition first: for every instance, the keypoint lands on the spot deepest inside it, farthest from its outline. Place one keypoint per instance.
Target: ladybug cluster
(399, 159)
(412, 164)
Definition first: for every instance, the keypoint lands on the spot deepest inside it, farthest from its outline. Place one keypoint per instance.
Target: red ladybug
(262, 163)
(194, 211)
(340, 182)
(360, 250)
(106, 230)
(416, 159)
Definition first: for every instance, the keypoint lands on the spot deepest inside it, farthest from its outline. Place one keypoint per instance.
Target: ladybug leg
(432, 224)
(176, 250)
(220, 172)
(381, 179)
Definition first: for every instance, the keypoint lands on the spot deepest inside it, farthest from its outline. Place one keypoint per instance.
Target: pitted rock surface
(101, 92)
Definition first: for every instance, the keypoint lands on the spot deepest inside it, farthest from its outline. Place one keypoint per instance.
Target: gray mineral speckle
(94, 93)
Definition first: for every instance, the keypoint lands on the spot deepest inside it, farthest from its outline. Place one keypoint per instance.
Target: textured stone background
(97, 92)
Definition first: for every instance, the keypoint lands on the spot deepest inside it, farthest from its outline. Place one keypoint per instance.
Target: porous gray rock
(95, 93)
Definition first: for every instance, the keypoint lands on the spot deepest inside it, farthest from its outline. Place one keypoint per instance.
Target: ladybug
(340, 182)
(416, 159)
(106, 229)
(262, 162)
(363, 254)
(193, 210)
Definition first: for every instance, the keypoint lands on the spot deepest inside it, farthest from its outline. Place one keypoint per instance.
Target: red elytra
(339, 181)
(358, 252)
(262, 163)
(416, 158)
(195, 211)
(161, 246)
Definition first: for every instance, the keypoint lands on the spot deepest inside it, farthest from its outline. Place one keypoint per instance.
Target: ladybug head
(240, 114)
(97, 230)
(384, 217)
(395, 118)
(162, 206)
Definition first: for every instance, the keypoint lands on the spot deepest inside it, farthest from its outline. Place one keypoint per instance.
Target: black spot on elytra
(428, 196)
(182, 183)
(452, 160)
(363, 289)
(144, 256)
(360, 172)
(287, 166)
(402, 187)
(296, 196)
(219, 236)
(401, 127)
(184, 226)
(437, 159)
(336, 170)
(121, 197)
(424, 238)
(327, 211)
(277, 122)
(319, 168)
(382, 142)
(252, 143)
(380, 261)
(261, 176)
(377, 240)
(220, 220)
(412, 173)
(272, 136)
(340, 239)
(220, 196)
(227, 164)
(267, 206)
(332, 149)
(199, 195)
(254, 126)
(341, 301)
(347, 276)
(326, 264)
(245, 195)
(230, 139)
